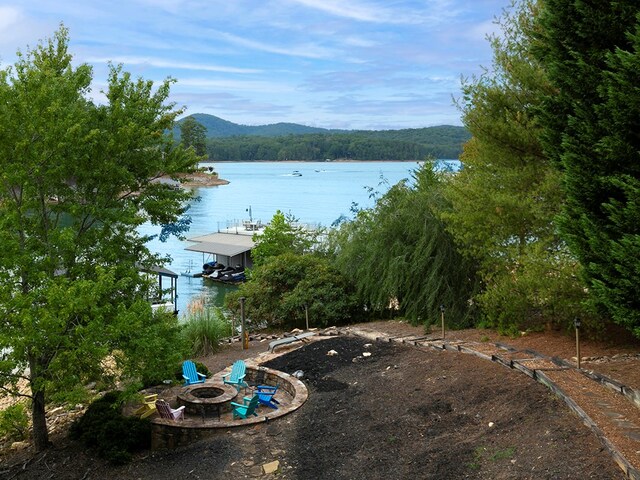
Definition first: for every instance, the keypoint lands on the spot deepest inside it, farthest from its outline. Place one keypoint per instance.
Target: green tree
(77, 178)
(401, 257)
(194, 134)
(591, 53)
(279, 289)
(283, 235)
(504, 200)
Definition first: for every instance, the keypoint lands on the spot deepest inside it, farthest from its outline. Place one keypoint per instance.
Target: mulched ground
(401, 413)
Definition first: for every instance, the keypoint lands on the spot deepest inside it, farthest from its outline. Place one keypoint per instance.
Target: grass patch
(204, 327)
(481, 454)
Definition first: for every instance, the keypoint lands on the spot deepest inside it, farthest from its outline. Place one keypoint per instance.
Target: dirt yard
(400, 413)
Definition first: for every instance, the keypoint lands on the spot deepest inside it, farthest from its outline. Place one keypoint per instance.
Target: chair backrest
(252, 405)
(238, 370)
(189, 370)
(164, 409)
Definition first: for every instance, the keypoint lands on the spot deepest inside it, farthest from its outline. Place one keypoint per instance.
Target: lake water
(320, 195)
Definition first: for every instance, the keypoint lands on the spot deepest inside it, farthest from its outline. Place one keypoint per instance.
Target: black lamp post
(577, 323)
(442, 319)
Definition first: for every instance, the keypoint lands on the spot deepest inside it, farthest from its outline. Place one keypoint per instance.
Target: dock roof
(227, 244)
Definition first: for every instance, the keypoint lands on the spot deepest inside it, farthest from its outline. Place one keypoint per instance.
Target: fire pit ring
(207, 399)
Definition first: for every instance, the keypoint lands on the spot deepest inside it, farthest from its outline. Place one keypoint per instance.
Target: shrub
(204, 327)
(113, 436)
(14, 422)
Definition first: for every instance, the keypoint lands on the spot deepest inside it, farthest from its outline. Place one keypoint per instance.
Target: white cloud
(9, 16)
(161, 63)
(303, 50)
(234, 85)
(355, 11)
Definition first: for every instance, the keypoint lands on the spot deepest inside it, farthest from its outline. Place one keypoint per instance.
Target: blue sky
(354, 64)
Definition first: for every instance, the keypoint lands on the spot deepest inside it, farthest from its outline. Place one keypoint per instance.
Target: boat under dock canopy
(229, 248)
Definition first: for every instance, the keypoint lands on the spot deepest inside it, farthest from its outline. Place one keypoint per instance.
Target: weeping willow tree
(402, 259)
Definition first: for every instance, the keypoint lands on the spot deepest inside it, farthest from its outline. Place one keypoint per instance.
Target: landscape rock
(271, 467)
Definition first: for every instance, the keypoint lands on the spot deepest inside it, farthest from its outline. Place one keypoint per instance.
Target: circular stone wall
(206, 399)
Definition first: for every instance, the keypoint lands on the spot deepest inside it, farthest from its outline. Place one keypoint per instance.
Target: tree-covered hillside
(228, 141)
(310, 147)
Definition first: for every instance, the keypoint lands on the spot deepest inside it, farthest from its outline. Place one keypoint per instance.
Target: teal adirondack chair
(190, 374)
(265, 395)
(236, 376)
(247, 408)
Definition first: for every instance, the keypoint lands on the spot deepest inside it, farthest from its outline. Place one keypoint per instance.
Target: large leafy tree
(506, 197)
(400, 256)
(76, 180)
(590, 50)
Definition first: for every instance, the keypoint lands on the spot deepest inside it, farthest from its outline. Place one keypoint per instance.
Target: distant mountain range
(279, 141)
(218, 127)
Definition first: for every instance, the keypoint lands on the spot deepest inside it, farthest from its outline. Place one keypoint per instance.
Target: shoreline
(316, 161)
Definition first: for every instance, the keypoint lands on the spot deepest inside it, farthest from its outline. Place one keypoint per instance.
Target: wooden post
(243, 333)
(442, 319)
(306, 314)
(577, 324)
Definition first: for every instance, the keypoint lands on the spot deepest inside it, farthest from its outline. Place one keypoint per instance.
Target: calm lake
(322, 193)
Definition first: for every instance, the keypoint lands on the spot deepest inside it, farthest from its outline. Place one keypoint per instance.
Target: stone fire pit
(207, 400)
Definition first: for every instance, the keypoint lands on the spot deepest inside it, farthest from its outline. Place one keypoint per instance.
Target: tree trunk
(40, 433)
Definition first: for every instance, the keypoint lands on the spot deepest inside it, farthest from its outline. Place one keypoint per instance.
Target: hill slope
(285, 141)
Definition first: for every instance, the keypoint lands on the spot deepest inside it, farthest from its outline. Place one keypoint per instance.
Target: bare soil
(400, 413)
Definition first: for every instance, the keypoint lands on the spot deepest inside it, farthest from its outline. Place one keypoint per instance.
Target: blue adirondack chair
(247, 408)
(190, 374)
(265, 395)
(236, 376)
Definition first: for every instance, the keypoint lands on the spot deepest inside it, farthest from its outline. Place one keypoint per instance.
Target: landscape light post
(442, 319)
(577, 324)
(243, 332)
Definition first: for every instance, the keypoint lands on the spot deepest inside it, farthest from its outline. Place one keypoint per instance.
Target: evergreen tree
(590, 51)
(506, 196)
(194, 134)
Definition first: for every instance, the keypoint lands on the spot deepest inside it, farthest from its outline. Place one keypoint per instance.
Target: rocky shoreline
(202, 179)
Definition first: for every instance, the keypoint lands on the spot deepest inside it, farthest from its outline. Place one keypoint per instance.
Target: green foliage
(283, 141)
(440, 142)
(592, 54)
(193, 134)
(76, 180)
(282, 235)
(401, 257)
(505, 199)
(150, 356)
(14, 422)
(279, 289)
(203, 328)
(113, 436)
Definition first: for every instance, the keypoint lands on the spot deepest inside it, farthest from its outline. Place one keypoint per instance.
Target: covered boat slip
(165, 293)
(230, 249)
